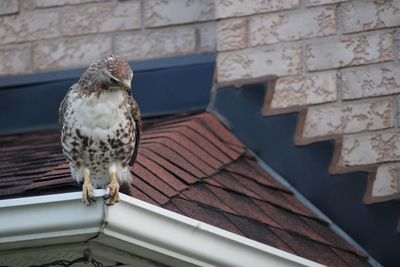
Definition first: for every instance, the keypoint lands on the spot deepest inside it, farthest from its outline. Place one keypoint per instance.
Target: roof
(195, 166)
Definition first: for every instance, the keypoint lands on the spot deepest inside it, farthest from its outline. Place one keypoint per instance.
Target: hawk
(100, 127)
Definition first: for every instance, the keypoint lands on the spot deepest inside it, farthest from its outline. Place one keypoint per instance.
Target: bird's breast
(98, 116)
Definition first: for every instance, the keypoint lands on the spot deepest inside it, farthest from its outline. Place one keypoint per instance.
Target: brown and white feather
(100, 126)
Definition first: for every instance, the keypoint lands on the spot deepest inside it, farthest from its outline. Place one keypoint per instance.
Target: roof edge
(55, 219)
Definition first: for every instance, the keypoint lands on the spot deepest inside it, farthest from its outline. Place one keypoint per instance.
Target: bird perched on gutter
(100, 127)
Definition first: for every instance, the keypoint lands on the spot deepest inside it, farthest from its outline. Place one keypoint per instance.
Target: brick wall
(334, 61)
(43, 35)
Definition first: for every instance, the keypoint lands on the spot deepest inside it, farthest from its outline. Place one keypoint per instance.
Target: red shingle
(259, 232)
(191, 157)
(204, 214)
(219, 129)
(153, 180)
(177, 171)
(200, 193)
(210, 135)
(189, 145)
(150, 191)
(250, 169)
(310, 249)
(242, 205)
(336, 241)
(174, 158)
(224, 179)
(290, 222)
(351, 259)
(160, 172)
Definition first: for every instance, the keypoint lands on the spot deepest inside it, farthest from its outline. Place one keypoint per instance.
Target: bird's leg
(113, 188)
(87, 187)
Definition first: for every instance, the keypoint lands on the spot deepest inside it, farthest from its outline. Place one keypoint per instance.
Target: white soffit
(132, 226)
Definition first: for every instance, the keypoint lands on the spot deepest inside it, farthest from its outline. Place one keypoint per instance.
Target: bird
(100, 124)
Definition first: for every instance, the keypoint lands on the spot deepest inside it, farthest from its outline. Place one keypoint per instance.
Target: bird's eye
(113, 80)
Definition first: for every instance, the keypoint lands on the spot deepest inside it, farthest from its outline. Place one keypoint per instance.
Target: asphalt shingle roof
(195, 166)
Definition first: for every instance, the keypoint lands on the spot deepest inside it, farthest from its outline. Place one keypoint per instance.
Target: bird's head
(111, 72)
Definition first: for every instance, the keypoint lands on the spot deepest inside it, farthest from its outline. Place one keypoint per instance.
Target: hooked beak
(128, 85)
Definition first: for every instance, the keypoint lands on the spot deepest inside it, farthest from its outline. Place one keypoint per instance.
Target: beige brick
(207, 35)
(292, 25)
(397, 45)
(233, 8)
(304, 90)
(169, 12)
(387, 181)
(350, 117)
(15, 59)
(257, 62)
(368, 15)
(370, 148)
(69, 52)
(32, 4)
(322, 2)
(156, 43)
(350, 51)
(101, 17)
(232, 34)
(29, 26)
(374, 80)
(8, 7)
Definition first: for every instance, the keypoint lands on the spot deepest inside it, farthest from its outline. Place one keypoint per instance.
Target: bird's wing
(137, 119)
(63, 106)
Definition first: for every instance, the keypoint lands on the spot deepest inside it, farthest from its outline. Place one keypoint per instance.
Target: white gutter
(135, 227)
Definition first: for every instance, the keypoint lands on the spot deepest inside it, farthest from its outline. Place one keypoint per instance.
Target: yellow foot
(87, 187)
(113, 189)
(87, 192)
(113, 193)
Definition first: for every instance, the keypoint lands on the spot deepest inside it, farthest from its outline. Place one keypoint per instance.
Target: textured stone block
(350, 117)
(350, 51)
(232, 34)
(207, 33)
(257, 62)
(32, 4)
(374, 80)
(368, 15)
(101, 17)
(69, 52)
(304, 90)
(397, 44)
(15, 59)
(322, 2)
(8, 7)
(292, 25)
(29, 26)
(156, 43)
(161, 12)
(370, 148)
(387, 181)
(233, 8)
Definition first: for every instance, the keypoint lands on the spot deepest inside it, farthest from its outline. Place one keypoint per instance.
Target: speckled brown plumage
(100, 124)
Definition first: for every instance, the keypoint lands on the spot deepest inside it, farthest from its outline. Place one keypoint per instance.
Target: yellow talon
(87, 187)
(113, 190)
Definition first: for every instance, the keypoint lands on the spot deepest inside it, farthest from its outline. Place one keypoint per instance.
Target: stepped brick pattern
(195, 166)
(46, 35)
(334, 61)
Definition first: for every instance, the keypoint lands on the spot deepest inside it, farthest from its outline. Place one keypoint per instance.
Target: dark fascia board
(18, 81)
(161, 87)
